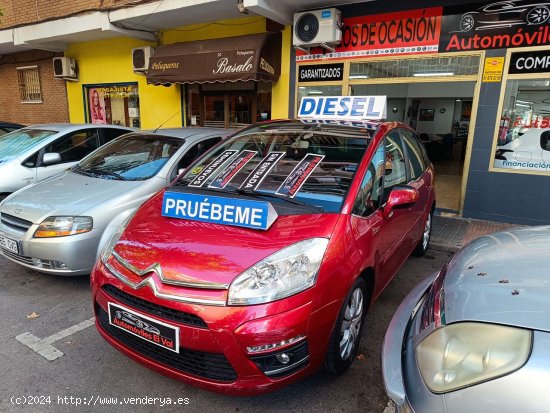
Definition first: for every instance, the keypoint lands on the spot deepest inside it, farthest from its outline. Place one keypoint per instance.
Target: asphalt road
(92, 371)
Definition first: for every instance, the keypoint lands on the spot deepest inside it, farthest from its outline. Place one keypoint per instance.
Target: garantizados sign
(321, 73)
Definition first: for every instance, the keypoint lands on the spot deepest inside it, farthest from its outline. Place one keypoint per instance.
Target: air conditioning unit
(140, 58)
(64, 68)
(317, 28)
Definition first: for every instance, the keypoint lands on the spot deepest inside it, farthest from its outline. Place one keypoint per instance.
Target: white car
(34, 153)
(530, 150)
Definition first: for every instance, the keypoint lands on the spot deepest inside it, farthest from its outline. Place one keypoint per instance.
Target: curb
(437, 246)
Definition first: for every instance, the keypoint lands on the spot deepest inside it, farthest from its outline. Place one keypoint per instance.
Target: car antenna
(166, 121)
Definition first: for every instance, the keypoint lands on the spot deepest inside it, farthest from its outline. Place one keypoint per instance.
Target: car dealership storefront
(447, 72)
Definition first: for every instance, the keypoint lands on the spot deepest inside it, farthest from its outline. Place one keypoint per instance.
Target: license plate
(147, 328)
(9, 244)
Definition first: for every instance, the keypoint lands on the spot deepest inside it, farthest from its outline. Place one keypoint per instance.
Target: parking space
(49, 316)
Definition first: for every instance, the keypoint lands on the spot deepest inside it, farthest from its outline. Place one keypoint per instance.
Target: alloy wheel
(427, 232)
(351, 324)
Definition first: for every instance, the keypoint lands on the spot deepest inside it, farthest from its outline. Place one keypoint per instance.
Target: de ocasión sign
(477, 26)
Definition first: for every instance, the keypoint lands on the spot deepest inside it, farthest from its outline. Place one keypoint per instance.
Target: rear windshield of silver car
(312, 165)
(130, 158)
(17, 142)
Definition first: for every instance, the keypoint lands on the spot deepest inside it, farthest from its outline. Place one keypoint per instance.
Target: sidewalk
(451, 233)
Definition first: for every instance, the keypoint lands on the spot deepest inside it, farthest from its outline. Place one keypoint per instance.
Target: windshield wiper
(255, 194)
(99, 172)
(252, 194)
(81, 171)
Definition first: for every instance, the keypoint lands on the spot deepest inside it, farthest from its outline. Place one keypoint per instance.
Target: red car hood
(210, 253)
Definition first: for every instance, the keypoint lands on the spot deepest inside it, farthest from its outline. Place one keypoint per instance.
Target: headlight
(285, 273)
(110, 245)
(464, 354)
(63, 226)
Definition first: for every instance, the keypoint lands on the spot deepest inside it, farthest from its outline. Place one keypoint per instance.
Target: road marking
(44, 346)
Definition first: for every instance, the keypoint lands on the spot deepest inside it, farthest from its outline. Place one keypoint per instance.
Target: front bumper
(215, 339)
(66, 256)
(394, 345)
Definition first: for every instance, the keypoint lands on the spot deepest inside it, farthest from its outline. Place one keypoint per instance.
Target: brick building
(30, 93)
(49, 101)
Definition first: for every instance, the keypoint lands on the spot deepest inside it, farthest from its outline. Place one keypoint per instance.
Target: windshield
(312, 165)
(17, 142)
(130, 158)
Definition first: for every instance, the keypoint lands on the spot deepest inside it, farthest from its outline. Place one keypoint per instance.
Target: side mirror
(51, 158)
(400, 196)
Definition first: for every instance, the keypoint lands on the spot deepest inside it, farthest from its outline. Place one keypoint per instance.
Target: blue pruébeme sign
(219, 210)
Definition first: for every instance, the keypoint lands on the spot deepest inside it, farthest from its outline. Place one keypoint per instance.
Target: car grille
(207, 365)
(36, 263)
(158, 310)
(14, 222)
(19, 258)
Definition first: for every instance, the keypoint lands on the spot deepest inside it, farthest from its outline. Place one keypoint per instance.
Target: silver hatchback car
(59, 225)
(476, 336)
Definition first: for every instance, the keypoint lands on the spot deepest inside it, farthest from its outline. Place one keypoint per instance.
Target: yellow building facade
(105, 73)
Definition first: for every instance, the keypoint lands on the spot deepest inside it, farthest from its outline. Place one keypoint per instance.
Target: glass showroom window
(113, 104)
(304, 91)
(522, 138)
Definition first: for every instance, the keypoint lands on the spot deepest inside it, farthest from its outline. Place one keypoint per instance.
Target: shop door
(234, 110)
(440, 112)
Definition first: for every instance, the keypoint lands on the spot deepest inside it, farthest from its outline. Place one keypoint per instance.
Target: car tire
(538, 15)
(346, 335)
(467, 23)
(424, 242)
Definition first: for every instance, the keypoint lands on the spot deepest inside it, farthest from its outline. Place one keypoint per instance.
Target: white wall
(433, 95)
(443, 122)
(441, 90)
(399, 105)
